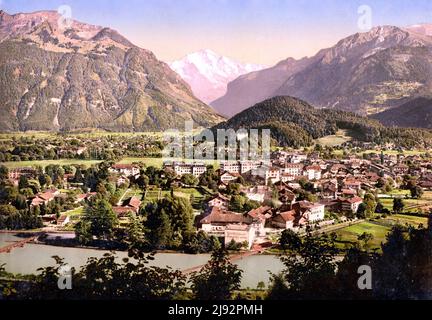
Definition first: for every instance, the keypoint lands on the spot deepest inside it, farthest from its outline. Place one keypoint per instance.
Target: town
(243, 204)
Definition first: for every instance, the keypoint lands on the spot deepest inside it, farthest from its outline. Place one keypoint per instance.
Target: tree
(310, 269)
(370, 204)
(365, 237)
(236, 203)
(83, 232)
(189, 180)
(217, 279)
(135, 234)
(4, 173)
(106, 279)
(142, 181)
(416, 192)
(158, 225)
(102, 219)
(233, 188)
(261, 285)
(44, 180)
(289, 240)
(23, 182)
(7, 210)
(361, 211)
(398, 205)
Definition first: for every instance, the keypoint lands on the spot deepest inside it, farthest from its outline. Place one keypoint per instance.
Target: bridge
(18, 244)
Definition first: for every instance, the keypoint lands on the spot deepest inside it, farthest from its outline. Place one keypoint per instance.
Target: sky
(254, 31)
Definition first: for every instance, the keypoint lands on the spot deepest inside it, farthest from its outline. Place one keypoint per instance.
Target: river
(28, 259)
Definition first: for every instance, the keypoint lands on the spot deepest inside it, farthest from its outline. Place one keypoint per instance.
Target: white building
(125, 169)
(293, 169)
(312, 172)
(240, 233)
(196, 169)
(298, 158)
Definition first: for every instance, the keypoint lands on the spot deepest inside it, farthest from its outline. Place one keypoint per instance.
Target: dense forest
(295, 123)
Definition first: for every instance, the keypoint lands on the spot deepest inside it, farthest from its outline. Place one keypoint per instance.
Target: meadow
(379, 228)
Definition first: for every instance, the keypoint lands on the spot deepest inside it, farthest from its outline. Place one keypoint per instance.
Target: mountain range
(84, 76)
(208, 73)
(364, 73)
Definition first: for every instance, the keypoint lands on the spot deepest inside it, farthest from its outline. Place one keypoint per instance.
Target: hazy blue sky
(259, 31)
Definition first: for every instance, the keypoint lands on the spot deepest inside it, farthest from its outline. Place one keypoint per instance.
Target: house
(400, 169)
(302, 213)
(292, 169)
(133, 203)
(220, 201)
(286, 196)
(297, 158)
(125, 169)
(230, 166)
(241, 167)
(348, 192)
(122, 180)
(122, 212)
(272, 174)
(218, 219)
(329, 190)
(231, 225)
(182, 168)
(287, 177)
(258, 193)
(352, 184)
(15, 174)
(260, 216)
(312, 172)
(63, 220)
(239, 233)
(84, 196)
(228, 177)
(44, 198)
(350, 205)
(311, 211)
(284, 220)
(130, 206)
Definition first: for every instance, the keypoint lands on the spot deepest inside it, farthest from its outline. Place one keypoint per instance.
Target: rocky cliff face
(83, 76)
(365, 73)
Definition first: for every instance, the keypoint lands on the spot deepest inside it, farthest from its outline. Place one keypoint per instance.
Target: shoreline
(42, 243)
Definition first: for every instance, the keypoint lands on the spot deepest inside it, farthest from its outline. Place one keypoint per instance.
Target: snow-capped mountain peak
(209, 73)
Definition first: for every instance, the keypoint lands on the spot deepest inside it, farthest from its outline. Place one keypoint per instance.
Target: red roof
(354, 200)
(288, 215)
(315, 167)
(222, 216)
(123, 166)
(134, 202)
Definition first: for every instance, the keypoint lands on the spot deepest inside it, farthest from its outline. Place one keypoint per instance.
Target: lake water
(28, 259)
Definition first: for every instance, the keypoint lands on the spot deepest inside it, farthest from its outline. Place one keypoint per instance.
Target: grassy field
(91, 134)
(132, 193)
(149, 162)
(155, 162)
(156, 194)
(44, 163)
(395, 152)
(75, 214)
(409, 202)
(348, 235)
(378, 228)
(339, 138)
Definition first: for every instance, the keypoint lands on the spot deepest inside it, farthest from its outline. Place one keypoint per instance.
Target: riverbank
(28, 259)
